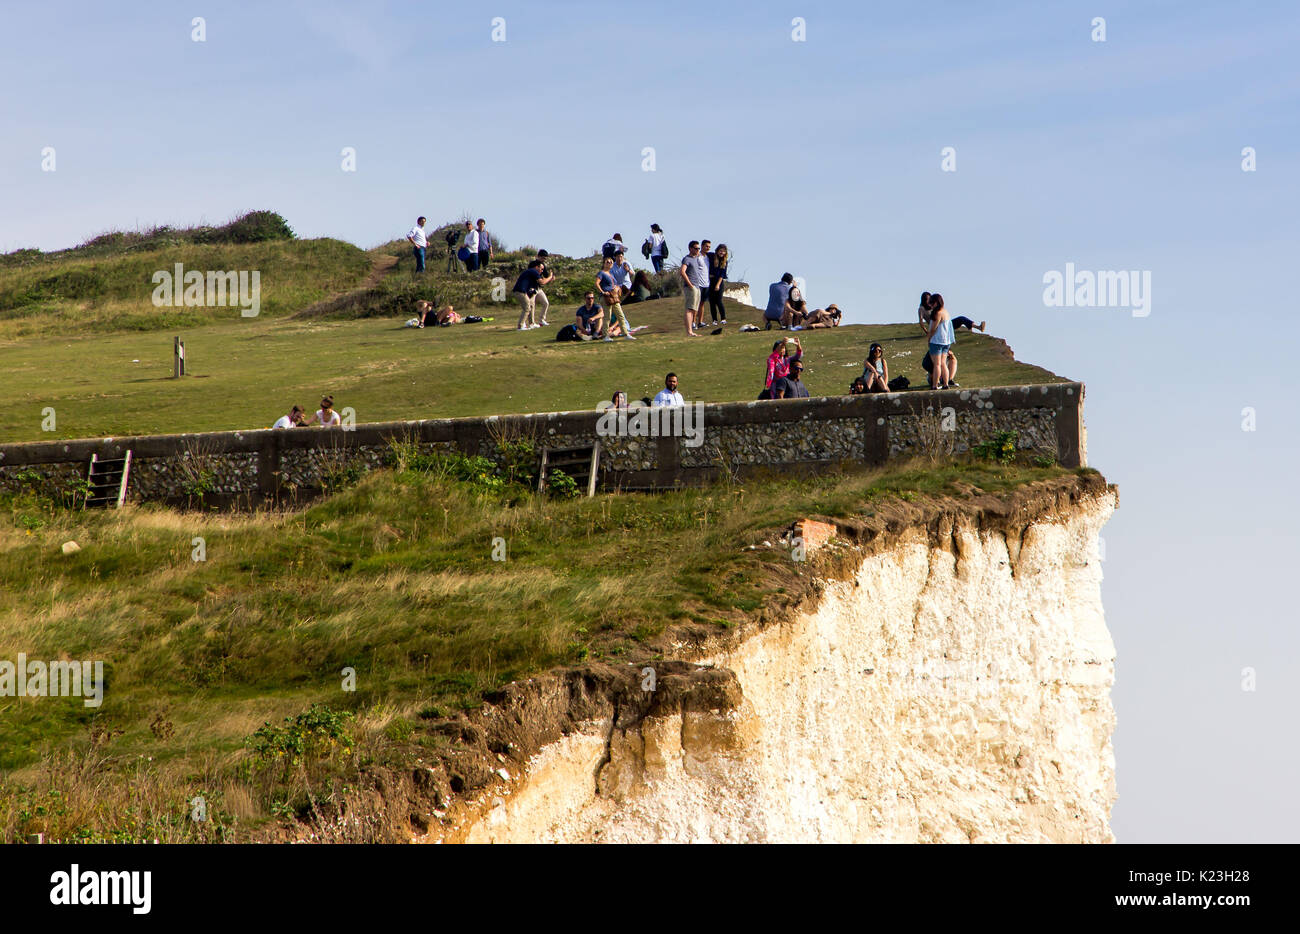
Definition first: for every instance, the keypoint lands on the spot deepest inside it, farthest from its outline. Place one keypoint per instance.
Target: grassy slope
(247, 372)
(90, 293)
(393, 578)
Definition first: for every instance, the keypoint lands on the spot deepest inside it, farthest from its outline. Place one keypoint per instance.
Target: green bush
(253, 227)
(1001, 447)
(313, 735)
(561, 486)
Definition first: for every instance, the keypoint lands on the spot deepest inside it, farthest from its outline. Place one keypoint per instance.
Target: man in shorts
(695, 283)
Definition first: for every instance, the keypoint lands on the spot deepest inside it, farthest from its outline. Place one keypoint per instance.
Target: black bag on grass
(567, 333)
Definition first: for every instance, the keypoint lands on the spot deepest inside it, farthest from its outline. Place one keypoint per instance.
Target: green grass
(106, 284)
(246, 373)
(395, 579)
(78, 333)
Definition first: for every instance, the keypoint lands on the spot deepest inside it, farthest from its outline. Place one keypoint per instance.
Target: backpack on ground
(898, 384)
(567, 333)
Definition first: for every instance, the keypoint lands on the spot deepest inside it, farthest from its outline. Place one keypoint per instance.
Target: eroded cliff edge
(945, 678)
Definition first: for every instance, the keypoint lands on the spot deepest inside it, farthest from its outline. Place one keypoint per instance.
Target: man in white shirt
(471, 247)
(669, 394)
(418, 243)
(292, 420)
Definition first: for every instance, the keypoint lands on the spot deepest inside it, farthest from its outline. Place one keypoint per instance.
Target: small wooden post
(178, 359)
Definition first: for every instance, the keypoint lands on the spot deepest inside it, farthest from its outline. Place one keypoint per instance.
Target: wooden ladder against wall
(108, 479)
(580, 463)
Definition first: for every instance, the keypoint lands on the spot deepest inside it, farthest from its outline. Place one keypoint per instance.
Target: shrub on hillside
(253, 227)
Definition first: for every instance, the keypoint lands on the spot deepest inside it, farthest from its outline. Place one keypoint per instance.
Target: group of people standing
(704, 273)
(474, 253)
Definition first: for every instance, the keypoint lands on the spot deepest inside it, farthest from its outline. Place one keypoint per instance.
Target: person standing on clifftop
(658, 248)
(717, 277)
(419, 243)
(469, 250)
(542, 303)
(695, 283)
(941, 338)
(484, 245)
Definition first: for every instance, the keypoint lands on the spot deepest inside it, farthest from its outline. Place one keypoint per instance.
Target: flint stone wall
(251, 467)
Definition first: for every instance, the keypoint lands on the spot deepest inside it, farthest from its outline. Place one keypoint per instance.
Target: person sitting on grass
(589, 317)
(778, 362)
(642, 288)
(796, 311)
(875, 370)
(858, 387)
(791, 387)
(292, 420)
(325, 416)
(950, 368)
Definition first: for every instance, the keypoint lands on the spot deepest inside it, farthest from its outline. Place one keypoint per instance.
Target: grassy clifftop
(395, 579)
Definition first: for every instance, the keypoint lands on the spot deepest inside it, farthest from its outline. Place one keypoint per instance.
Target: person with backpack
(612, 246)
(655, 248)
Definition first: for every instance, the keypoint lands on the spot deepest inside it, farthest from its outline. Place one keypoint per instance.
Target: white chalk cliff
(956, 689)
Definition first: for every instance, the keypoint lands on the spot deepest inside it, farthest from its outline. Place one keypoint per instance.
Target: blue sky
(820, 157)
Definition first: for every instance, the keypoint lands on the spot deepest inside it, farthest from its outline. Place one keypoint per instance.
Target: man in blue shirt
(777, 294)
(791, 386)
(589, 317)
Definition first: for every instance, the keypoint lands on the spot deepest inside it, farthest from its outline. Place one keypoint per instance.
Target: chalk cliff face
(956, 689)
